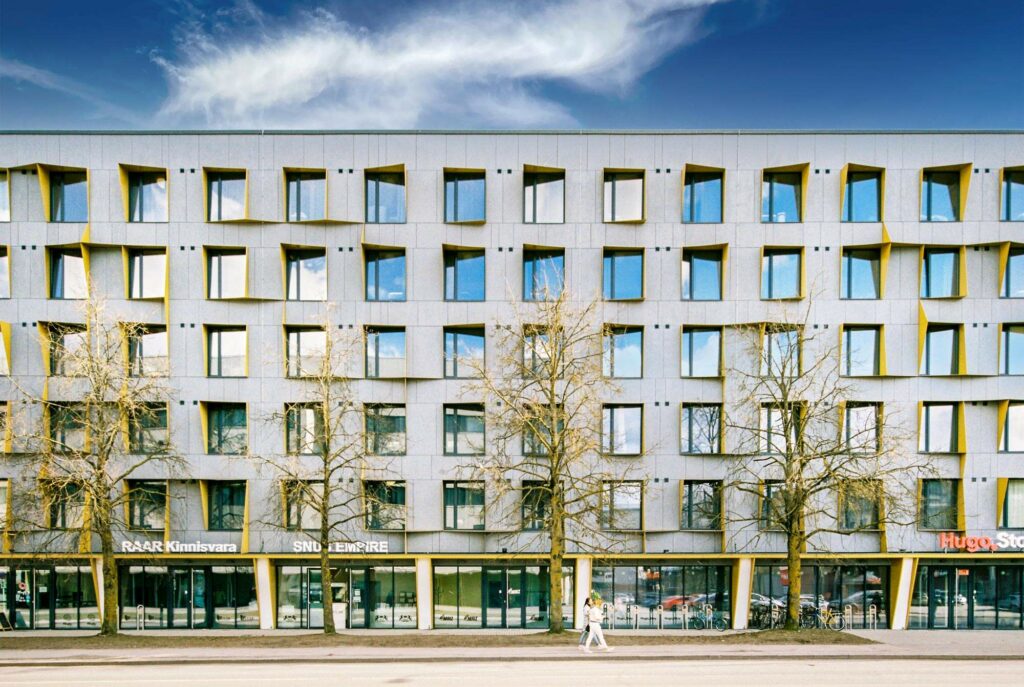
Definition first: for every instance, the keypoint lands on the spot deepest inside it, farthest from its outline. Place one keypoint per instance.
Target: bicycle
(708, 619)
(822, 616)
(767, 618)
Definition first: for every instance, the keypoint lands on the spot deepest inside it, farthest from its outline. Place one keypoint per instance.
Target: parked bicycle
(822, 615)
(708, 619)
(768, 617)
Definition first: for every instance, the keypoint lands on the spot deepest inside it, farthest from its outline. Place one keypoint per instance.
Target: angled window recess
(143, 193)
(384, 273)
(1011, 266)
(385, 195)
(306, 195)
(68, 272)
(5, 195)
(863, 193)
(702, 271)
(624, 195)
(465, 196)
(784, 193)
(305, 273)
(227, 194)
(543, 195)
(943, 272)
(1011, 202)
(703, 194)
(944, 192)
(65, 193)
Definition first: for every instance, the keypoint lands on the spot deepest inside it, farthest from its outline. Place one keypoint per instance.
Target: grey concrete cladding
(583, 155)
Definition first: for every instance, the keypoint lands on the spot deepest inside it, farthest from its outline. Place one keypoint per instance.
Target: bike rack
(140, 617)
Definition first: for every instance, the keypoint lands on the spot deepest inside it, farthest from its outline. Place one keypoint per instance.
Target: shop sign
(1001, 542)
(175, 546)
(307, 546)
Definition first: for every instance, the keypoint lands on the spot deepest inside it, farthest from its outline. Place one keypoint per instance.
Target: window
(781, 273)
(1013, 349)
(939, 504)
(623, 352)
(463, 351)
(304, 433)
(226, 273)
(464, 196)
(539, 419)
(543, 197)
(147, 196)
(702, 197)
(536, 351)
(147, 429)
(780, 197)
(781, 355)
(940, 197)
(385, 352)
(702, 505)
(773, 505)
(1013, 277)
(68, 279)
(862, 198)
(307, 347)
(1013, 428)
(464, 505)
(5, 365)
(5, 199)
(147, 505)
(464, 430)
(859, 509)
(624, 196)
(67, 427)
(938, 428)
(623, 275)
(622, 506)
(702, 275)
(307, 274)
(300, 508)
(227, 505)
(228, 431)
(225, 192)
(700, 426)
(147, 273)
(861, 274)
(702, 352)
(779, 420)
(5, 491)
(385, 197)
(861, 350)
(385, 505)
(940, 273)
(543, 274)
(147, 351)
(941, 354)
(622, 430)
(307, 196)
(464, 275)
(861, 427)
(1013, 196)
(66, 506)
(67, 349)
(227, 354)
(69, 197)
(1013, 505)
(5, 271)
(385, 275)
(536, 505)
(385, 429)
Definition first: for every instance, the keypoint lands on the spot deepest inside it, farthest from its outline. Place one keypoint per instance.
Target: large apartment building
(908, 246)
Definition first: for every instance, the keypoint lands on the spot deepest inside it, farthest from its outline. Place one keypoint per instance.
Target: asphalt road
(592, 672)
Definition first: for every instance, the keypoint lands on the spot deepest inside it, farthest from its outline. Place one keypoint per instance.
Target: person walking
(586, 623)
(594, 617)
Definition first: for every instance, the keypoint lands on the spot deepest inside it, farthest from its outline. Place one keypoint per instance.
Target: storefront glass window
(499, 596)
(859, 592)
(645, 597)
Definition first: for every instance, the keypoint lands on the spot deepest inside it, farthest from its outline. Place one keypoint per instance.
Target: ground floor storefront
(962, 595)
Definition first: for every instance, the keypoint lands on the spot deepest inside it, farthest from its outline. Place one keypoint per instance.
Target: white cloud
(468, 64)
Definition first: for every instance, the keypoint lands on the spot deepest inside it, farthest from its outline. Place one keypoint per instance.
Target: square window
(68, 279)
(69, 197)
(781, 428)
(307, 348)
(226, 273)
(385, 275)
(304, 429)
(940, 197)
(464, 430)
(1013, 196)
(543, 274)
(5, 196)
(66, 427)
(464, 505)
(702, 505)
(861, 345)
(227, 505)
(700, 428)
(1013, 428)
(702, 275)
(535, 505)
(702, 197)
(773, 505)
(1013, 275)
(623, 354)
(622, 506)
(463, 352)
(702, 352)
(941, 350)
(861, 274)
(307, 196)
(781, 273)
(227, 432)
(385, 429)
(225, 194)
(1012, 516)
(306, 271)
(384, 504)
(147, 427)
(465, 196)
(623, 275)
(939, 504)
(861, 428)
(1012, 355)
(862, 197)
(544, 197)
(67, 348)
(65, 505)
(940, 273)
(147, 505)
(780, 197)
(938, 428)
(624, 196)
(301, 512)
(464, 275)
(780, 356)
(385, 197)
(622, 430)
(227, 351)
(147, 273)
(385, 352)
(861, 501)
(147, 196)
(148, 351)
(5, 271)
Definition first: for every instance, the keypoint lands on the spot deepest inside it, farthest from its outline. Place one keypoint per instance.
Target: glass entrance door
(963, 599)
(495, 592)
(940, 599)
(198, 606)
(181, 598)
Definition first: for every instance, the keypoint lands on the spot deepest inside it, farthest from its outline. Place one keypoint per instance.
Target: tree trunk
(326, 586)
(795, 572)
(111, 605)
(557, 553)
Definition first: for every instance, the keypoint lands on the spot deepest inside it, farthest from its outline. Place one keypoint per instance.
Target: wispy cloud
(480, 64)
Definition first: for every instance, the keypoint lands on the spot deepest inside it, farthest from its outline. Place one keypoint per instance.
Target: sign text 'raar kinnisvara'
(1001, 542)
(176, 547)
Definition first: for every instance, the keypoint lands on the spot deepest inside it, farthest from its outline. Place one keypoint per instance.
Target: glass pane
(940, 356)
(462, 350)
(385, 198)
(465, 276)
(5, 216)
(149, 275)
(465, 199)
(544, 198)
(861, 200)
(446, 596)
(385, 276)
(780, 275)
(702, 276)
(781, 197)
(306, 197)
(701, 352)
(622, 429)
(543, 275)
(623, 354)
(862, 351)
(1013, 432)
(1013, 197)
(861, 274)
(1013, 349)
(940, 197)
(938, 429)
(5, 272)
(1009, 596)
(227, 275)
(862, 428)
(623, 275)
(702, 198)
(1013, 279)
(307, 277)
(940, 274)
(626, 201)
(71, 197)
(227, 197)
(227, 353)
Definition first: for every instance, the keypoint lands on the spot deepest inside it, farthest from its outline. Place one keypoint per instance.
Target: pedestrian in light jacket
(586, 623)
(594, 616)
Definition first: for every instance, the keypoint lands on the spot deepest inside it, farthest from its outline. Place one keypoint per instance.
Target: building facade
(229, 247)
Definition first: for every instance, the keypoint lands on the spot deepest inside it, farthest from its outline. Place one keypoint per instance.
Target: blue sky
(898, 64)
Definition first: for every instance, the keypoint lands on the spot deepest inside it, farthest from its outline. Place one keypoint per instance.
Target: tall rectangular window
(780, 356)
(66, 506)
(300, 508)
(307, 347)
(385, 352)
(304, 429)
(148, 430)
(1013, 277)
(1012, 355)
(147, 273)
(464, 429)
(464, 275)
(781, 273)
(938, 428)
(700, 428)
(780, 428)
(1013, 428)
(702, 197)
(465, 197)
(69, 197)
(147, 505)
(780, 197)
(1013, 196)
(148, 351)
(544, 197)
(861, 430)
(939, 504)
(940, 273)
(385, 429)
(463, 505)
(306, 270)
(701, 505)
(307, 196)
(225, 273)
(384, 504)
(940, 197)
(941, 350)
(543, 273)
(227, 432)
(67, 426)
(385, 198)
(623, 352)
(702, 352)
(463, 351)
(773, 505)
(861, 274)
(862, 197)
(227, 506)
(536, 350)
(622, 505)
(861, 501)
(5, 196)
(861, 350)
(538, 437)
(68, 279)
(535, 505)
(622, 430)
(623, 274)
(67, 349)
(702, 275)
(1012, 516)
(227, 351)
(624, 196)
(147, 197)
(5, 491)
(385, 275)
(225, 195)
(5, 272)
